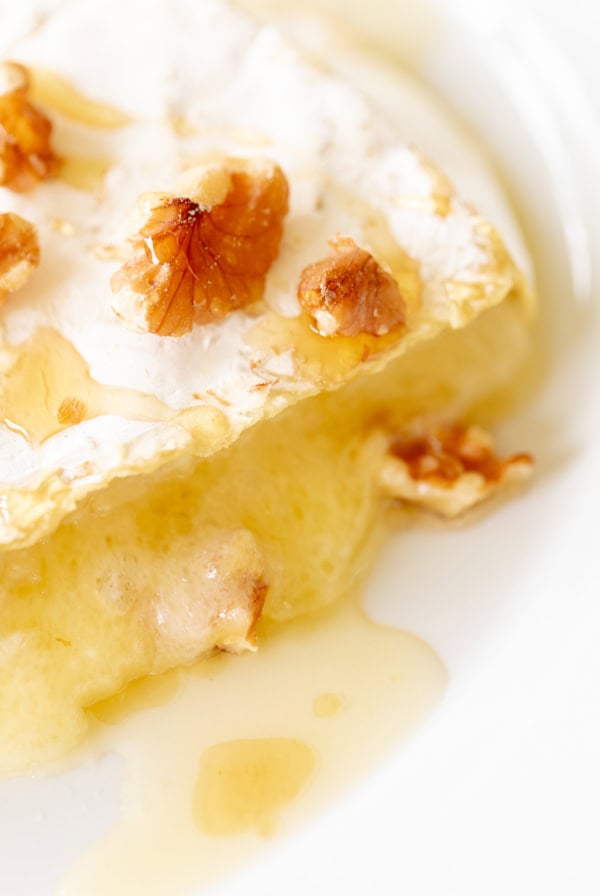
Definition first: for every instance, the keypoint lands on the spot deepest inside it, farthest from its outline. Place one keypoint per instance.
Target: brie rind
(242, 90)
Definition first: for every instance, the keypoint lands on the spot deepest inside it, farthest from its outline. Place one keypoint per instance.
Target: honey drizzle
(84, 173)
(57, 94)
(325, 706)
(243, 785)
(325, 360)
(240, 749)
(37, 377)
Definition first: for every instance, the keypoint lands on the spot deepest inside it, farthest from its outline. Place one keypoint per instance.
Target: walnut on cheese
(19, 253)
(26, 155)
(448, 469)
(206, 250)
(349, 293)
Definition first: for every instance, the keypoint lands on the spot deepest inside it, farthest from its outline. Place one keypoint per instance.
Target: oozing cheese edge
(303, 483)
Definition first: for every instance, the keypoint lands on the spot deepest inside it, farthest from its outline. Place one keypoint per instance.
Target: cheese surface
(152, 400)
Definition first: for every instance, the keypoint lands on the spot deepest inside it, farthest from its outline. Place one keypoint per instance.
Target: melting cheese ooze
(241, 90)
(303, 483)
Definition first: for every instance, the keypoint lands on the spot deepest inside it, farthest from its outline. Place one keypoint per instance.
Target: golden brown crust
(19, 252)
(26, 155)
(350, 294)
(196, 259)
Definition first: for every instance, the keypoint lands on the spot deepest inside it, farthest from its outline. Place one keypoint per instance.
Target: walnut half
(205, 252)
(26, 156)
(19, 253)
(448, 469)
(350, 294)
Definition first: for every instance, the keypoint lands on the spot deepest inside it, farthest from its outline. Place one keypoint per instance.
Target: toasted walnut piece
(71, 411)
(202, 254)
(448, 469)
(349, 293)
(26, 156)
(19, 252)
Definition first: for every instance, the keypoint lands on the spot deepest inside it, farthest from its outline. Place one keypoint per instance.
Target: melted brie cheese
(101, 596)
(80, 608)
(238, 89)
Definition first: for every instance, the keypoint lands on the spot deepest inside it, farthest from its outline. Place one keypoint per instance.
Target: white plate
(498, 793)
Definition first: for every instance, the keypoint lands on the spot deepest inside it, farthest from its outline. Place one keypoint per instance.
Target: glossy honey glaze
(57, 94)
(242, 751)
(41, 379)
(67, 107)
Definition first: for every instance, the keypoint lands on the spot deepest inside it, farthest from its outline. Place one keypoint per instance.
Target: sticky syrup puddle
(224, 758)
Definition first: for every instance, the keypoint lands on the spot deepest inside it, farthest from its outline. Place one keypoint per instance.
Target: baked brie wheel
(266, 318)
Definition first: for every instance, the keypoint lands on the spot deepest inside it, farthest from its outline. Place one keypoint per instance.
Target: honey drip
(243, 784)
(37, 377)
(325, 706)
(325, 360)
(84, 173)
(56, 94)
(240, 752)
